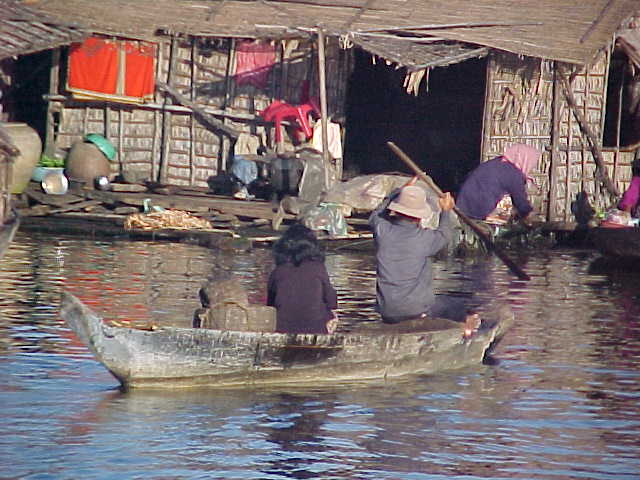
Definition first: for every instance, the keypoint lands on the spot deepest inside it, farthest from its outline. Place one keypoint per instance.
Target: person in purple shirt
(490, 181)
(631, 197)
(299, 286)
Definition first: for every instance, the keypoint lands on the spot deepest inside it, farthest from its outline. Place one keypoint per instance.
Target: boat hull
(617, 242)
(169, 357)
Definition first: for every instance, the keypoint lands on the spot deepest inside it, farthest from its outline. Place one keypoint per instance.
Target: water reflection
(563, 402)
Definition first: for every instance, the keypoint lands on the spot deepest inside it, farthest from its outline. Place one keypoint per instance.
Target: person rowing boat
(407, 234)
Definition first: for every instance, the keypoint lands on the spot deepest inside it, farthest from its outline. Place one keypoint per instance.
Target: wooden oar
(521, 274)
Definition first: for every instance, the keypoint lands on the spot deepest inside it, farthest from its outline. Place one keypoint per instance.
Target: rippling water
(562, 401)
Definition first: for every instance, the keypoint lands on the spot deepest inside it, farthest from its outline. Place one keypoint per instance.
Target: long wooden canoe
(7, 230)
(617, 242)
(170, 357)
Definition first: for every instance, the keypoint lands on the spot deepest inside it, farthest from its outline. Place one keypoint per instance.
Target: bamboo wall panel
(518, 109)
(576, 167)
(199, 71)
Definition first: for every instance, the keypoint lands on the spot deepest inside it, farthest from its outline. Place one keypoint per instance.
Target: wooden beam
(598, 19)
(215, 124)
(552, 210)
(49, 146)
(323, 107)
(449, 26)
(591, 137)
(166, 116)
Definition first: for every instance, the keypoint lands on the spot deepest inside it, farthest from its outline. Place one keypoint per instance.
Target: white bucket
(55, 183)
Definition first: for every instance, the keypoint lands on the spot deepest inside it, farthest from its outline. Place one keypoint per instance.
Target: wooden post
(192, 120)
(121, 139)
(166, 123)
(284, 72)
(619, 116)
(552, 207)
(8, 152)
(592, 140)
(323, 108)
(229, 86)
(54, 75)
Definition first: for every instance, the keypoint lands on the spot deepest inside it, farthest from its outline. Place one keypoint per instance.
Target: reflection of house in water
(451, 87)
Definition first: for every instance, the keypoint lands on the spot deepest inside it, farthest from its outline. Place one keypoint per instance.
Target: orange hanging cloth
(139, 70)
(93, 66)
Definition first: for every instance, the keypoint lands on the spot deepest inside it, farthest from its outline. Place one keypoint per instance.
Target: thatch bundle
(175, 219)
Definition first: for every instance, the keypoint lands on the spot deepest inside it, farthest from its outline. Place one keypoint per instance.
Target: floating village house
(22, 32)
(174, 83)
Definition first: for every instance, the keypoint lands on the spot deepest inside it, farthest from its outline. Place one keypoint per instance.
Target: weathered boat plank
(187, 357)
(7, 231)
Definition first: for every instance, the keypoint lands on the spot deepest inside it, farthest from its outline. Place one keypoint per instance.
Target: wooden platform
(235, 223)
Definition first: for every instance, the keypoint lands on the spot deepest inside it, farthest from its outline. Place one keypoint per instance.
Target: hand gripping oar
(521, 274)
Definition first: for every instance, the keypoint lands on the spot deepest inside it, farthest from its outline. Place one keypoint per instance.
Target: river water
(560, 400)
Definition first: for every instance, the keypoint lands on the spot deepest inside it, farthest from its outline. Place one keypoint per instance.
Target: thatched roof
(565, 30)
(23, 31)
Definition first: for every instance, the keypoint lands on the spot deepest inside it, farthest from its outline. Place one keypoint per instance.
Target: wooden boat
(170, 357)
(623, 242)
(7, 231)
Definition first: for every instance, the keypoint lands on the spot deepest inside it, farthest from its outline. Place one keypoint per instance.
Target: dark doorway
(622, 114)
(30, 83)
(440, 128)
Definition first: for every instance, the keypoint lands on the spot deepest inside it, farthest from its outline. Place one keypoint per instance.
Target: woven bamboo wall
(575, 169)
(518, 109)
(525, 103)
(199, 70)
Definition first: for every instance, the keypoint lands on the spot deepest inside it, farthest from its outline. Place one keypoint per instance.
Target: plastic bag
(245, 170)
(325, 216)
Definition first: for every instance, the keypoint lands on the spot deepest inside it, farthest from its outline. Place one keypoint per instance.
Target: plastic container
(85, 162)
(55, 183)
(103, 145)
(39, 173)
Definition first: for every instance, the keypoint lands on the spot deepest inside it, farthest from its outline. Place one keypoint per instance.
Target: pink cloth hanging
(254, 60)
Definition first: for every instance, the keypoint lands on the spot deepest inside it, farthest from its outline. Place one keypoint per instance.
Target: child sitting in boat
(299, 286)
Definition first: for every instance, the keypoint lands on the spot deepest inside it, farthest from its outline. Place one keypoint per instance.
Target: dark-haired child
(299, 286)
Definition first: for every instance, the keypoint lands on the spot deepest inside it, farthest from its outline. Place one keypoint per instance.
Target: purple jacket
(631, 195)
(303, 297)
(485, 186)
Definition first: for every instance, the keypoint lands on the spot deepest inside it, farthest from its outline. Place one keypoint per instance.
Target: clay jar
(27, 140)
(85, 162)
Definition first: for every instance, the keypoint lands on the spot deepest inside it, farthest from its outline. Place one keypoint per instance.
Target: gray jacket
(404, 266)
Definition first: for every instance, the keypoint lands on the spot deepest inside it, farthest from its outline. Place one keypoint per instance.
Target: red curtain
(139, 69)
(93, 65)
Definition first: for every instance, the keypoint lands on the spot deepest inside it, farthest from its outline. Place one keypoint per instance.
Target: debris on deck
(162, 212)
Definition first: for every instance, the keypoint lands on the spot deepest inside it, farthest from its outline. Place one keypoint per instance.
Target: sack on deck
(241, 317)
(226, 307)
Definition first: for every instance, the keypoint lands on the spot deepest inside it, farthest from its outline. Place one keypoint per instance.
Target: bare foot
(332, 325)
(471, 324)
